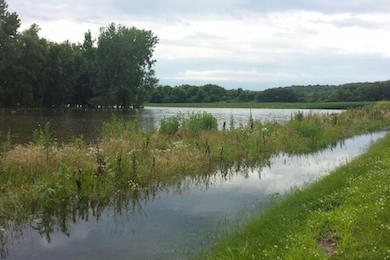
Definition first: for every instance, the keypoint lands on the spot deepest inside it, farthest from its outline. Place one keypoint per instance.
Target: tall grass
(197, 122)
(7, 145)
(169, 126)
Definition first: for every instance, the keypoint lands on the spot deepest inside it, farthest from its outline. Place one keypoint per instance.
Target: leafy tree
(125, 64)
(9, 24)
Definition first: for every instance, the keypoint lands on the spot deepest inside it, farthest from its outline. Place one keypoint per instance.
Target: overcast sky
(249, 44)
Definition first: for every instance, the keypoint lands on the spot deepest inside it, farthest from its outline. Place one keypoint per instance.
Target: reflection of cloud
(79, 232)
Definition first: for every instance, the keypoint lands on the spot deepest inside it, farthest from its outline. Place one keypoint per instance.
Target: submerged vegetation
(345, 216)
(50, 183)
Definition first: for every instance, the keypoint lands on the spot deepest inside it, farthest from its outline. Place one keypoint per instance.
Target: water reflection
(168, 220)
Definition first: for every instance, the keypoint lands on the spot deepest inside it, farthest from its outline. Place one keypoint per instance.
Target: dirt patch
(328, 243)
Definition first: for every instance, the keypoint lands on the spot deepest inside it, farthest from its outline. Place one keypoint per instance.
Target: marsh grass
(47, 179)
(169, 126)
(7, 145)
(197, 122)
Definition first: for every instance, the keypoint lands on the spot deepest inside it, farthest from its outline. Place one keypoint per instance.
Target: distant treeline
(312, 93)
(116, 69)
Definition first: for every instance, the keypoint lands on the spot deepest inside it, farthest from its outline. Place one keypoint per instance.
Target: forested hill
(373, 91)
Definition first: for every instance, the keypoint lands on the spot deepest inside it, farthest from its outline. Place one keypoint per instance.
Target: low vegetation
(53, 183)
(343, 216)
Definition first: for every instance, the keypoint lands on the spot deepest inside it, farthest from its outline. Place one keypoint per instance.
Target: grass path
(346, 215)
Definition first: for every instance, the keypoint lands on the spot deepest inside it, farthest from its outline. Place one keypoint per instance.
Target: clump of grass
(7, 145)
(169, 125)
(118, 128)
(251, 122)
(197, 122)
(45, 137)
(79, 142)
(231, 122)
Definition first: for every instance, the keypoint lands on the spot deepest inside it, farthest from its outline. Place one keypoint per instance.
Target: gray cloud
(171, 9)
(239, 43)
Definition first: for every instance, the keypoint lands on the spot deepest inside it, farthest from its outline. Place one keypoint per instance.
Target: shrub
(169, 126)
(200, 121)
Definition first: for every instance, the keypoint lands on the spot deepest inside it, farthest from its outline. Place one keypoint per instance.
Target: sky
(249, 44)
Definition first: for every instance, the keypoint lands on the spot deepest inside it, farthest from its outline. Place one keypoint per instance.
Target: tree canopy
(115, 69)
(313, 93)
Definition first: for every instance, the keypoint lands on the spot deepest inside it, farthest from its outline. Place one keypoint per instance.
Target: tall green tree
(125, 60)
(9, 24)
(86, 70)
(33, 54)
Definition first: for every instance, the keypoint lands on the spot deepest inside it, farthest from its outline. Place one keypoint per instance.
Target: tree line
(117, 69)
(374, 91)
(114, 69)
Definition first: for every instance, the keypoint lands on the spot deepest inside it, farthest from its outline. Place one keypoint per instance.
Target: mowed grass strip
(345, 215)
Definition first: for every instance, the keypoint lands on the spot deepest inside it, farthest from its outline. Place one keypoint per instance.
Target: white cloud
(238, 76)
(238, 40)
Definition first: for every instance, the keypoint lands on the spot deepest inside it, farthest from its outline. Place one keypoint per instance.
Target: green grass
(275, 105)
(349, 210)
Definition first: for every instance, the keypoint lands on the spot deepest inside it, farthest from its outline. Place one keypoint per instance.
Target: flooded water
(184, 218)
(70, 123)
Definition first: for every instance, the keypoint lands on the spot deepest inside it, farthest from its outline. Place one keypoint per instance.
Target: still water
(184, 218)
(70, 123)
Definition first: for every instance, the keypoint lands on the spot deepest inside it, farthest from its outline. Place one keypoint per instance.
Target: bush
(200, 121)
(169, 126)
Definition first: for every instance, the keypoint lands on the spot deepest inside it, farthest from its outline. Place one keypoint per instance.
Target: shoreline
(326, 219)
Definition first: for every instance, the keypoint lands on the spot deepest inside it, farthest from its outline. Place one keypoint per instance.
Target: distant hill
(360, 91)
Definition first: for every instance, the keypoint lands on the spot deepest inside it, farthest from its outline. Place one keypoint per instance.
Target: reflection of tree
(58, 216)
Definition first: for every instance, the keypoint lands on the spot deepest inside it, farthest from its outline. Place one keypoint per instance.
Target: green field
(317, 105)
(346, 215)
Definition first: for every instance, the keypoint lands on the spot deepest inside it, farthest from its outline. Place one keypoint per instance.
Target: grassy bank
(275, 105)
(56, 183)
(346, 215)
